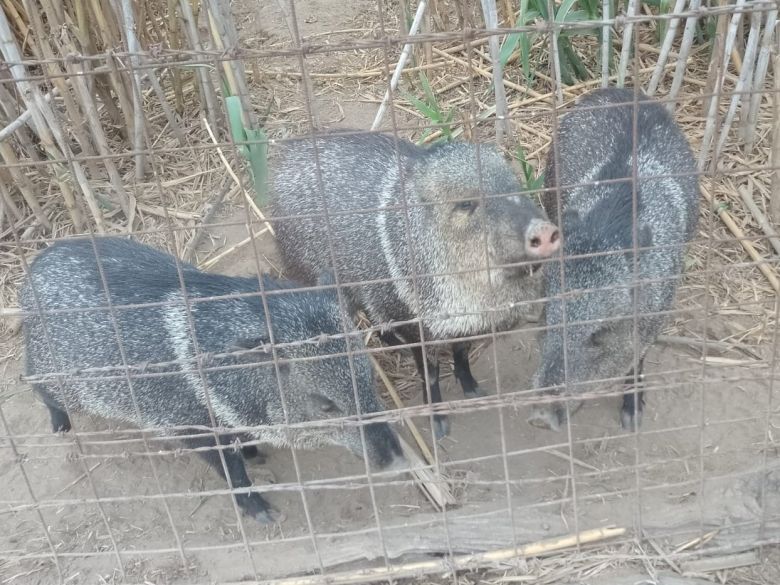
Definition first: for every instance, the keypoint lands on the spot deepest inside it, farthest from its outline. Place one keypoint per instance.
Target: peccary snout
(542, 239)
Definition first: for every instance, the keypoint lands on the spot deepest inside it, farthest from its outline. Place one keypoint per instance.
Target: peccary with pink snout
(595, 304)
(448, 224)
(164, 352)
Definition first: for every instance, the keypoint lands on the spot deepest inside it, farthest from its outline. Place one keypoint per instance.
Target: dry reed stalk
(743, 83)
(109, 36)
(42, 50)
(113, 21)
(554, 56)
(131, 40)
(23, 183)
(431, 483)
(126, 201)
(174, 42)
(483, 72)
(666, 48)
(509, 13)
(625, 51)
(605, 44)
(117, 82)
(418, 17)
(204, 81)
(44, 123)
(449, 565)
(213, 206)
(24, 117)
(170, 115)
(724, 58)
(424, 449)
(225, 37)
(8, 203)
(717, 61)
(79, 82)
(774, 202)
(749, 122)
(762, 264)
(503, 127)
(685, 49)
(746, 194)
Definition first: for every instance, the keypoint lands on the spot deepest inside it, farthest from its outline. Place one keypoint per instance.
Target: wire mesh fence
(356, 258)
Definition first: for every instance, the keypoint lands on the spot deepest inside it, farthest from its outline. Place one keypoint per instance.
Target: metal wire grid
(25, 449)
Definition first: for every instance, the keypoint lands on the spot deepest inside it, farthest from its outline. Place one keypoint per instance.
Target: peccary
(68, 330)
(448, 224)
(594, 146)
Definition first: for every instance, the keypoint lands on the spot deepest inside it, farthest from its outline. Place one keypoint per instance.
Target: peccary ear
(322, 404)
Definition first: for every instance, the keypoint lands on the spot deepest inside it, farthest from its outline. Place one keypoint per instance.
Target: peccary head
(477, 207)
(598, 300)
(317, 378)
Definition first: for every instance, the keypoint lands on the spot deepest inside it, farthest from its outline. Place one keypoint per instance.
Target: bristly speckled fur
(66, 276)
(369, 172)
(597, 145)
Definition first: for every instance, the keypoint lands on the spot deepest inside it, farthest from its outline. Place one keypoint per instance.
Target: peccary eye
(466, 206)
(597, 338)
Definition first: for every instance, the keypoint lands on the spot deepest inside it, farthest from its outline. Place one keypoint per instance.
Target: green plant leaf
(255, 151)
(431, 113)
(562, 13)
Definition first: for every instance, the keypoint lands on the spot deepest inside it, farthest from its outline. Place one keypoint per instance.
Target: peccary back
(155, 333)
(597, 145)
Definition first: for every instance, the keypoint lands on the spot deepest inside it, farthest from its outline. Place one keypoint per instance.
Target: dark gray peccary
(597, 145)
(465, 213)
(243, 392)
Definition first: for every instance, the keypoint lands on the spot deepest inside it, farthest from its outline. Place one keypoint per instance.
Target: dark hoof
(475, 392)
(548, 416)
(60, 423)
(253, 453)
(254, 506)
(628, 421)
(441, 426)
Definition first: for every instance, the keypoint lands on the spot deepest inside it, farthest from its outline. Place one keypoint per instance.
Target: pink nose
(542, 239)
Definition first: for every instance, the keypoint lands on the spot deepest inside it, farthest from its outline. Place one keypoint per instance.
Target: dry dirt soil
(652, 481)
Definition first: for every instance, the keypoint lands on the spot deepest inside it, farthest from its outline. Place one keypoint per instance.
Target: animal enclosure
(164, 122)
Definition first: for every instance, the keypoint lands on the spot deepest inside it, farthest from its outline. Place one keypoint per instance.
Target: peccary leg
(441, 423)
(633, 399)
(251, 451)
(460, 362)
(251, 504)
(60, 422)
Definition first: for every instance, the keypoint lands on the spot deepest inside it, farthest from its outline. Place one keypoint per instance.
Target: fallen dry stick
(761, 262)
(450, 564)
(211, 261)
(433, 485)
